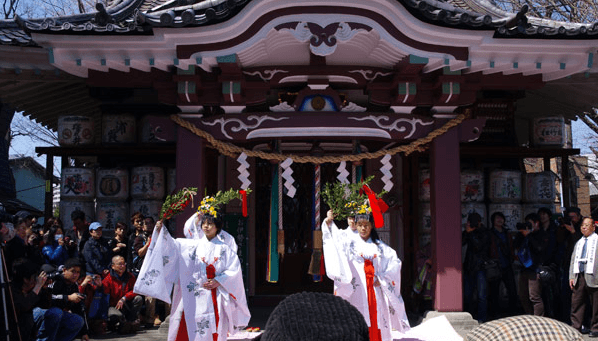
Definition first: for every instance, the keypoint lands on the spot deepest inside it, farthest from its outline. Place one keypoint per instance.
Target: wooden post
(566, 181)
(190, 170)
(446, 221)
(49, 194)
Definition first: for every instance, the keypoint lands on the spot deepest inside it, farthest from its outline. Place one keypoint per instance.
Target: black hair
(211, 219)
(474, 219)
(72, 262)
(533, 217)
(573, 210)
(49, 236)
(373, 233)
(545, 210)
(149, 217)
(497, 214)
(77, 214)
(22, 269)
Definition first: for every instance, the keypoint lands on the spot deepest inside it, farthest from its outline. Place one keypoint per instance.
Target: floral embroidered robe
(345, 256)
(184, 263)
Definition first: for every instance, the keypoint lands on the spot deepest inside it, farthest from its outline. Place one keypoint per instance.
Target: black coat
(478, 249)
(97, 254)
(60, 291)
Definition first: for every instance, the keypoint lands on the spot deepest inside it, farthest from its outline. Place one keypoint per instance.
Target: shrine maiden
(367, 273)
(209, 295)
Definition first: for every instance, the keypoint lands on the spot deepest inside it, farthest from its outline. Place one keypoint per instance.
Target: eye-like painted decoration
(318, 103)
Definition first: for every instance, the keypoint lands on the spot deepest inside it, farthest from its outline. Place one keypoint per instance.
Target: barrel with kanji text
(149, 208)
(111, 212)
(67, 207)
(539, 187)
(505, 186)
(77, 184)
(147, 183)
(513, 213)
(75, 130)
(118, 129)
(112, 184)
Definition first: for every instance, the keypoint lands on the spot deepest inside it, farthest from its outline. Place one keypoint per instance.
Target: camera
(52, 276)
(524, 226)
(83, 296)
(566, 220)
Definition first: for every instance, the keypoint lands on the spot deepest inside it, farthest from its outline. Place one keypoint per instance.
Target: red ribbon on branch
(244, 200)
(377, 205)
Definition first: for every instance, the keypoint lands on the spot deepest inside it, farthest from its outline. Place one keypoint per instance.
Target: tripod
(4, 283)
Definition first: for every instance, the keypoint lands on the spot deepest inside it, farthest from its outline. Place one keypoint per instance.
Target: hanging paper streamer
(342, 173)
(386, 167)
(243, 172)
(273, 266)
(288, 177)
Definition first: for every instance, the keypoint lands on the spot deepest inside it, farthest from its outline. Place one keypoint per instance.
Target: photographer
(66, 295)
(77, 236)
(54, 249)
(541, 245)
(26, 287)
(96, 251)
(477, 240)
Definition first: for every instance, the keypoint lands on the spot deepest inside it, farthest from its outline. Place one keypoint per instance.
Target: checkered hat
(315, 316)
(524, 328)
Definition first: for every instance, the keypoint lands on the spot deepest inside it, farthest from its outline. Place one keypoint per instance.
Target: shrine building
(440, 101)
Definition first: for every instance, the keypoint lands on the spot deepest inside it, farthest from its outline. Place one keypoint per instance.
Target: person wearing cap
(96, 251)
(210, 301)
(367, 273)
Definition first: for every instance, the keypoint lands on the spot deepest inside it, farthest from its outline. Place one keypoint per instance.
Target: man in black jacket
(542, 246)
(477, 240)
(77, 236)
(66, 295)
(96, 252)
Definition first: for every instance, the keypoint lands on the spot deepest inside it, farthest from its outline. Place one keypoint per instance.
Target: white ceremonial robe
(183, 263)
(345, 255)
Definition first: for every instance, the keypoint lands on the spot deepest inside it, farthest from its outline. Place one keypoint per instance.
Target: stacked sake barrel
(77, 193)
(472, 195)
(118, 129)
(112, 193)
(425, 213)
(539, 191)
(505, 192)
(147, 190)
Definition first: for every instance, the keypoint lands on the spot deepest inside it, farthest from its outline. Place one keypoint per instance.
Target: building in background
(30, 181)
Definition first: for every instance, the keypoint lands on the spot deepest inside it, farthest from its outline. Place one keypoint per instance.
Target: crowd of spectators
(68, 283)
(510, 270)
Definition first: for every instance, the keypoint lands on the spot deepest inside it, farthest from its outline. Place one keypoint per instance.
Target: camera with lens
(52, 275)
(566, 220)
(524, 226)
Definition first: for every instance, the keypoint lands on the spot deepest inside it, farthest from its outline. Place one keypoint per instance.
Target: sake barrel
(548, 131)
(77, 184)
(147, 182)
(424, 185)
(149, 208)
(425, 239)
(505, 186)
(111, 212)
(534, 207)
(112, 184)
(157, 129)
(425, 217)
(539, 187)
(513, 213)
(67, 207)
(472, 185)
(472, 207)
(75, 130)
(118, 129)
(170, 180)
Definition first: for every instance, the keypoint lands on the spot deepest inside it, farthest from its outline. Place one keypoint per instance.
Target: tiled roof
(140, 16)
(12, 34)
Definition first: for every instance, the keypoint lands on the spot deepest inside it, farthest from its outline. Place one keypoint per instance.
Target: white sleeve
(159, 270)
(335, 258)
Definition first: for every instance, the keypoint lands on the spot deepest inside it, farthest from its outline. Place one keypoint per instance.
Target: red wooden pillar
(190, 170)
(446, 221)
